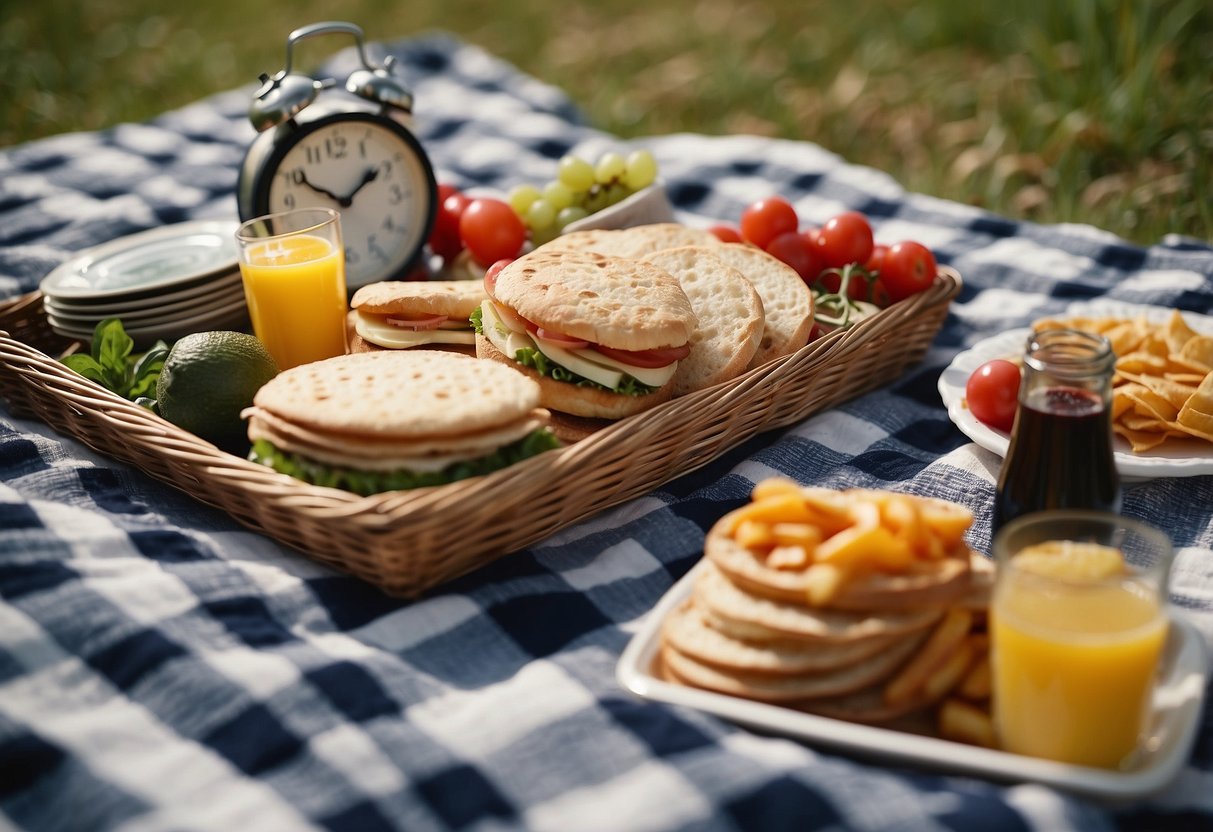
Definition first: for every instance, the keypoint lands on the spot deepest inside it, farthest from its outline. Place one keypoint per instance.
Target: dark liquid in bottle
(1060, 456)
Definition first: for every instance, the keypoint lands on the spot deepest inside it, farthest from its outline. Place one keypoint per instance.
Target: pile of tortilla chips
(1163, 385)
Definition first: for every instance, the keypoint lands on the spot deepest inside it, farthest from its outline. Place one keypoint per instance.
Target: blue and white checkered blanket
(161, 667)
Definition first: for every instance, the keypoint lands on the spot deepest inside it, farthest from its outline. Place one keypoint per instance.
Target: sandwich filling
(572, 360)
(367, 465)
(400, 332)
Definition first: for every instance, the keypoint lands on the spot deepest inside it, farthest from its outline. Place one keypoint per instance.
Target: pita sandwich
(602, 336)
(399, 315)
(396, 419)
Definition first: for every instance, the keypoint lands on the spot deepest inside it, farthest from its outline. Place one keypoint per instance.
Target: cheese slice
(587, 362)
(383, 334)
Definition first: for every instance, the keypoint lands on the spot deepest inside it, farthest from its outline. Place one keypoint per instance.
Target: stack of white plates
(162, 284)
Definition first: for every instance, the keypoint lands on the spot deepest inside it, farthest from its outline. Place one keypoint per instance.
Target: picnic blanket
(163, 667)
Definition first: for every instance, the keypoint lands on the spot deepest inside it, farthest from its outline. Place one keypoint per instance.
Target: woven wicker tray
(408, 541)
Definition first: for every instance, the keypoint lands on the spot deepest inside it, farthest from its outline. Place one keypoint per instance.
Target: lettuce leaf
(545, 366)
(366, 483)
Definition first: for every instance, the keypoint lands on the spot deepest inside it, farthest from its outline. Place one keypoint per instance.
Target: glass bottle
(1061, 443)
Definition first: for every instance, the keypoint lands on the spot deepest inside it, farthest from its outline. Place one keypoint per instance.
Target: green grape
(521, 197)
(540, 215)
(543, 235)
(596, 200)
(570, 214)
(640, 170)
(609, 168)
(576, 173)
(617, 193)
(558, 195)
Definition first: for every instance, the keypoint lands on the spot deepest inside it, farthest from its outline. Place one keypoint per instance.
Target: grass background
(1095, 111)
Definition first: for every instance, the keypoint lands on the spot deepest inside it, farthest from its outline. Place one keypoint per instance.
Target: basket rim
(219, 462)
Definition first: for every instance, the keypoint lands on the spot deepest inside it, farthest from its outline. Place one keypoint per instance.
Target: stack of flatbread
(860, 605)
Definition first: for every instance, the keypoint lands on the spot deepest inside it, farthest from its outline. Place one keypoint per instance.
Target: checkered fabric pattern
(161, 667)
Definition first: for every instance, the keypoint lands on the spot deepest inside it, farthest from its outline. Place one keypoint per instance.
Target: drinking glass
(293, 268)
(1075, 653)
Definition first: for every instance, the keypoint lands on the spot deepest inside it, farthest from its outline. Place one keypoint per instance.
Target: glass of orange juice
(1078, 621)
(293, 268)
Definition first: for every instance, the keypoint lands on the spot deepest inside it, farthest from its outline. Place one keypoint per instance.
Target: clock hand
(342, 202)
(370, 176)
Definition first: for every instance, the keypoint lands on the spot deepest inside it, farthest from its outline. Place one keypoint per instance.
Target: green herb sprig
(113, 363)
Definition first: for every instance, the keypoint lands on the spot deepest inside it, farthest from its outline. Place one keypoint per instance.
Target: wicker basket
(408, 541)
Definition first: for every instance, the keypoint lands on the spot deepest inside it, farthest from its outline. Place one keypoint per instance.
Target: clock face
(375, 175)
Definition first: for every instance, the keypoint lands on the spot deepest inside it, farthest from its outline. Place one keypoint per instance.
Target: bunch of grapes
(581, 189)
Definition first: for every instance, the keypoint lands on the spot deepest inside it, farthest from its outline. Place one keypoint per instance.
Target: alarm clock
(351, 151)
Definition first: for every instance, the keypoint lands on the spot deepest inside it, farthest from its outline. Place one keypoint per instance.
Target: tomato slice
(567, 342)
(649, 359)
(430, 322)
(490, 274)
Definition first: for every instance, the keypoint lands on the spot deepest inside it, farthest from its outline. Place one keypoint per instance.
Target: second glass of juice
(1078, 622)
(293, 268)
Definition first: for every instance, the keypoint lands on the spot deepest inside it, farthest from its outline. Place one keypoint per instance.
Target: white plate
(153, 259)
(234, 316)
(1184, 458)
(227, 284)
(163, 313)
(1177, 708)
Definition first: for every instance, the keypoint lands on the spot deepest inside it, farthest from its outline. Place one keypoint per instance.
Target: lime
(208, 378)
(1071, 560)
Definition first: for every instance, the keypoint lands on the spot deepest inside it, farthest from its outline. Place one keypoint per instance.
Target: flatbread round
(745, 615)
(688, 631)
(787, 300)
(420, 298)
(729, 314)
(790, 688)
(636, 241)
(618, 303)
(400, 393)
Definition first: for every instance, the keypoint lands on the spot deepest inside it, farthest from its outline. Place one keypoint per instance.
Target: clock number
(351, 256)
(335, 147)
(313, 155)
(397, 195)
(288, 200)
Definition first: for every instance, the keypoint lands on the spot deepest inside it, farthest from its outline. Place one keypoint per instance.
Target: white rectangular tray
(1177, 706)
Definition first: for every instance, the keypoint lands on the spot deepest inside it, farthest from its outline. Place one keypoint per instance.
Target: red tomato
(846, 238)
(660, 357)
(561, 340)
(726, 234)
(490, 274)
(992, 393)
(795, 250)
(491, 230)
(766, 219)
(876, 260)
(444, 237)
(909, 267)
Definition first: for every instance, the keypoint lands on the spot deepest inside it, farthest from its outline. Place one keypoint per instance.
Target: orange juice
(295, 288)
(1074, 665)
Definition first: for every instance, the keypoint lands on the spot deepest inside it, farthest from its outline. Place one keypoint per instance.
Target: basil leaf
(111, 362)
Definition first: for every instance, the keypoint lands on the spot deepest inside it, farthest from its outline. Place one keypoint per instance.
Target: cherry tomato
(992, 393)
(444, 237)
(846, 238)
(873, 291)
(797, 252)
(491, 230)
(876, 259)
(766, 219)
(490, 274)
(726, 234)
(660, 357)
(909, 267)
